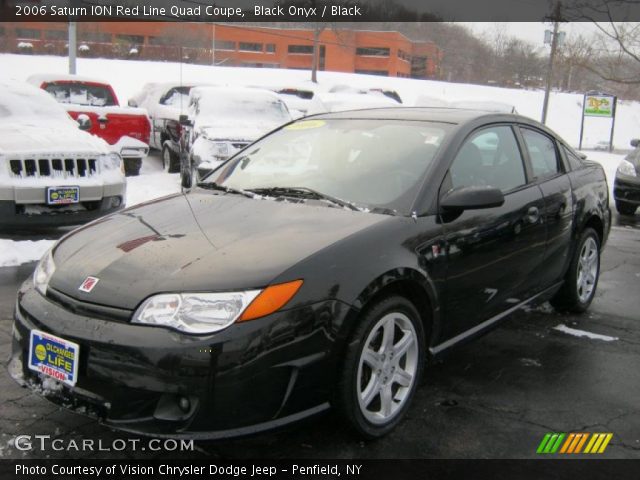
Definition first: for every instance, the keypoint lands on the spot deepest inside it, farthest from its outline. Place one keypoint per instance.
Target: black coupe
(324, 265)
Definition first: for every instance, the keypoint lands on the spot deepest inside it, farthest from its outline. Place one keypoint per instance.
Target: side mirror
(471, 198)
(132, 103)
(635, 142)
(184, 121)
(84, 122)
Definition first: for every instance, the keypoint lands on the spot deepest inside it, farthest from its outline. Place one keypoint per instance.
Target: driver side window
(489, 157)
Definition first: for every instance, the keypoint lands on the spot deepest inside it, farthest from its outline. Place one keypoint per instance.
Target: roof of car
(440, 114)
(39, 78)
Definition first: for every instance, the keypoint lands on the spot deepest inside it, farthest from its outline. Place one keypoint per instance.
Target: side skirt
(490, 323)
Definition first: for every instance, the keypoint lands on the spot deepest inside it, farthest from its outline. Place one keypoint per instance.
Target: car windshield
(257, 108)
(368, 163)
(81, 94)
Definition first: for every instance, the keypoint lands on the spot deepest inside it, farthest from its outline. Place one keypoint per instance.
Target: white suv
(51, 172)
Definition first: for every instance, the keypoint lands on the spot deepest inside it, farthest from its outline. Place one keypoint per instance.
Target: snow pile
(582, 333)
(16, 253)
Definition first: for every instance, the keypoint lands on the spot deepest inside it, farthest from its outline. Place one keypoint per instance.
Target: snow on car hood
(238, 130)
(47, 137)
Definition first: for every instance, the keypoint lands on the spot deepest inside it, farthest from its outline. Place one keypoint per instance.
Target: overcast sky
(532, 31)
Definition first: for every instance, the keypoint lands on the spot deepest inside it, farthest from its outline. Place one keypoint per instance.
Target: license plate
(62, 195)
(54, 356)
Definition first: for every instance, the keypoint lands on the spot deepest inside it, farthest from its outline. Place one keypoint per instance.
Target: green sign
(598, 106)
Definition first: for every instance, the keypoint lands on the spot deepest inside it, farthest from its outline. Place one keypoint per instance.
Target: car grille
(53, 167)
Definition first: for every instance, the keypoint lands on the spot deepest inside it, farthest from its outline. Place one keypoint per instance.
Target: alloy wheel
(387, 368)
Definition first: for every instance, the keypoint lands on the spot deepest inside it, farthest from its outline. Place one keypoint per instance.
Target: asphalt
(493, 398)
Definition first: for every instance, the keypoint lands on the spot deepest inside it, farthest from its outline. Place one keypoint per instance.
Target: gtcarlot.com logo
(47, 442)
(574, 443)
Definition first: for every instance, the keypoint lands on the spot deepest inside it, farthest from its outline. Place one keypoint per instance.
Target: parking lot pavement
(493, 398)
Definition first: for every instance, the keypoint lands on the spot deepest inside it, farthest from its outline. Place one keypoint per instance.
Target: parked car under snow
(51, 172)
(222, 121)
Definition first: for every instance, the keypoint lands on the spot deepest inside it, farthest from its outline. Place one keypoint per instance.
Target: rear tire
(582, 277)
(382, 367)
(170, 161)
(625, 208)
(132, 166)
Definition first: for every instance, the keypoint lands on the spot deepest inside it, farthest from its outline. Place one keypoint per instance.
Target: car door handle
(533, 215)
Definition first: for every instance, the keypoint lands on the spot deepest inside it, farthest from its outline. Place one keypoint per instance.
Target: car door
(548, 171)
(491, 252)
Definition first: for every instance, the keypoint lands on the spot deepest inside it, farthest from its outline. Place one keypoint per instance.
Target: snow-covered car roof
(40, 78)
(21, 100)
(32, 121)
(338, 102)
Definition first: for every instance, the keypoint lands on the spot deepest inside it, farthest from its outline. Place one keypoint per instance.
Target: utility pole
(72, 48)
(552, 56)
(213, 44)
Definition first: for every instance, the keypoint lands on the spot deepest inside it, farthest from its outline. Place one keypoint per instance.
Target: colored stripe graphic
(553, 443)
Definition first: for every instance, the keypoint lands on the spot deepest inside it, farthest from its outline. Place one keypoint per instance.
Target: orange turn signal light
(272, 299)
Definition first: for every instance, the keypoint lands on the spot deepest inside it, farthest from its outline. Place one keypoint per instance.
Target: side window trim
(563, 166)
(519, 143)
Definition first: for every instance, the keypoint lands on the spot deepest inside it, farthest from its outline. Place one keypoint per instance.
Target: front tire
(625, 208)
(170, 161)
(382, 367)
(581, 280)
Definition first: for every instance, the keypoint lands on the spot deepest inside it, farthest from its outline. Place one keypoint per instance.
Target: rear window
(574, 160)
(81, 94)
(176, 97)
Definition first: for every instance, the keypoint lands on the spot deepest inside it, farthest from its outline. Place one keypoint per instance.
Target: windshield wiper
(305, 193)
(223, 188)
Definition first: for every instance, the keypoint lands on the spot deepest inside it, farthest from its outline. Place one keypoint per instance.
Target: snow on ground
(15, 253)
(128, 76)
(582, 333)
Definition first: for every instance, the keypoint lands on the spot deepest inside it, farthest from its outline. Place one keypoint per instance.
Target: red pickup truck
(96, 103)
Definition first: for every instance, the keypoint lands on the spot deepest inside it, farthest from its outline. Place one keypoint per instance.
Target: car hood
(35, 137)
(196, 242)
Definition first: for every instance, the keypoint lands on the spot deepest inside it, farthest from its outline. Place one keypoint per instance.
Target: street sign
(598, 106)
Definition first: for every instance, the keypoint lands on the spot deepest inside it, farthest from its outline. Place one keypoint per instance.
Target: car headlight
(111, 161)
(627, 168)
(201, 313)
(43, 272)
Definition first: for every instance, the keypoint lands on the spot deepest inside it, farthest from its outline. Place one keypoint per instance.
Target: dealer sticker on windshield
(63, 195)
(54, 356)
(305, 125)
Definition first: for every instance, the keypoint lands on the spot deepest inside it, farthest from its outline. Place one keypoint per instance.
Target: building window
(250, 47)
(372, 51)
(270, 48)
(98, 37)
(225, 45)
(300, 49)
(55, 35)
(404, 55)
(382, 73)
(132, 39)
(28, 33)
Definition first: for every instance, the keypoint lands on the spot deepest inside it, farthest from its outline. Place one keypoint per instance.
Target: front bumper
(25, 206)
(250, 377)
(627, 189)
(14, 215)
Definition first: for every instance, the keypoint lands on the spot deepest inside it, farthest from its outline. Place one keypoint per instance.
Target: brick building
(360, 51)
